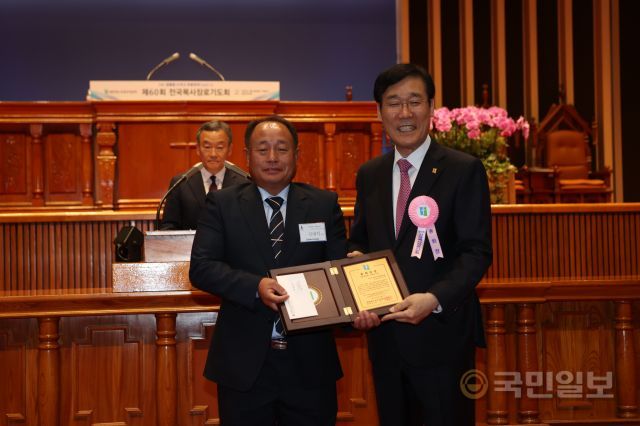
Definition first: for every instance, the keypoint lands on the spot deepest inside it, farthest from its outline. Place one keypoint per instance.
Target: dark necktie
(214, 185)
(276, 225)
(276, 231)
(403, 192)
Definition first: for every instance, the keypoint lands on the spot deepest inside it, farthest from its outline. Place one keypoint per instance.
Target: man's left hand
(413, 309)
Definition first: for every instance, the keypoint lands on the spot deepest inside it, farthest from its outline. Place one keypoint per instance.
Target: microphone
(186, 175)
(166, 61)
(229, 165)
(205, 64)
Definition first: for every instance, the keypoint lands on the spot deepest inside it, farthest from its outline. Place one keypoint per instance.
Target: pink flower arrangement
(483, 133)
(475, 120)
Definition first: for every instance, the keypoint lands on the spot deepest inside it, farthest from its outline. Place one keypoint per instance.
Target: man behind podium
(265, 378)
(184, 204)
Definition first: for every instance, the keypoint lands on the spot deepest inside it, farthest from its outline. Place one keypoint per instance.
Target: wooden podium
(165, 266)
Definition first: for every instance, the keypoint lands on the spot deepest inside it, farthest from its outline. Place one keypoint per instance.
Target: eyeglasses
(396, 105)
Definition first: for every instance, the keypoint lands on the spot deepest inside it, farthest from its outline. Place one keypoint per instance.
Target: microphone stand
(193, 170)
(205, 64)
(164, 62)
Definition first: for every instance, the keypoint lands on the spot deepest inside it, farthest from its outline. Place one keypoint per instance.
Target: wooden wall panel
(197, 400)
(557, 298)
(147, 159)
(17, 397)
(106, 367)
(573, 245)
(59, 255)
(63, 169)
(351, 147)
(310, 158)
(48, 161)
(107, 372)
(15, 165)
(576, 342)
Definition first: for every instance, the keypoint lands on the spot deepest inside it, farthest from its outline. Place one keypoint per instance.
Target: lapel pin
(434, 170)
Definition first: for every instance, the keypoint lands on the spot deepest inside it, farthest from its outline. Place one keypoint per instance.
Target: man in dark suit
(263, 376)
(421, 349)
(184, 204)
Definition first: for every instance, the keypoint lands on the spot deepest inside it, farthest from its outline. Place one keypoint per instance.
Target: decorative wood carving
(497, 413)
(166, 370)
(48, 372)
(87, 165)
(105, 164)
(626, 381)
(37, 166)
(330, 156)
(527, 362)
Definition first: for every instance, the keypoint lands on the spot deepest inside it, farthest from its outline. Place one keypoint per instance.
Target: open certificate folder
(331, 293)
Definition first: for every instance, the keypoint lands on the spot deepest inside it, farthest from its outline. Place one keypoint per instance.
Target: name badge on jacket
(312, 232)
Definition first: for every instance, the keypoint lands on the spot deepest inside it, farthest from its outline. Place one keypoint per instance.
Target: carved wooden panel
(352, 153)
(148, 158)
(63, 169)
(15, 167)
(107, 370)
(577, 348)
(17, 371)
(356, 397)
(565, 244)
(311, 158)
(197, 399)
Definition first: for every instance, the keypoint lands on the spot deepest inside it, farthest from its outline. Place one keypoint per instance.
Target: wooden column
(48, 405)
(625, 361)
(105, 164)
(330, 156)
(376, 141)
(497, 412)
(166, 370)
(527, 361)
(87, 165)
(37, 170)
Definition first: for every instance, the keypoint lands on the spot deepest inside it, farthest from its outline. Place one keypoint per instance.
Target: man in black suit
(421, 349)
(263, 376)
(185, 203)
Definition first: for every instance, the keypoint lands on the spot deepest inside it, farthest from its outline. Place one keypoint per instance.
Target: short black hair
(214, 126)
(275, 118)
(399, 72)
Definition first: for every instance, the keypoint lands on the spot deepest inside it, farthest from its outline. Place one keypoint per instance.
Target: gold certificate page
(372, 284)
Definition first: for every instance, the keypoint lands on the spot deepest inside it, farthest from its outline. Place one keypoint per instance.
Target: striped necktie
(276, 225)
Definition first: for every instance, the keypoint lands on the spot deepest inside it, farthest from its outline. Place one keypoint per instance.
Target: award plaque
(331, 293)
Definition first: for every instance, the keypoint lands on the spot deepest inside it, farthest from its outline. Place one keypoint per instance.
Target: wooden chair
(562, 146)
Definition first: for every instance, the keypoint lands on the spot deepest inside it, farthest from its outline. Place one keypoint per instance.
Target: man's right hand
(366, 320)
(271, 293)
(354, 253)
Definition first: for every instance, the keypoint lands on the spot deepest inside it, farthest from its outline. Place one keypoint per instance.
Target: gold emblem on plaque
(316, 295)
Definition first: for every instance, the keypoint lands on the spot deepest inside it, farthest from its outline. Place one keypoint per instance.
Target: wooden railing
(558, 299)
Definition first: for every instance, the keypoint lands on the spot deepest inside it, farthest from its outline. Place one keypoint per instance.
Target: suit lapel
(384, 184)
(197, 189)
(230, 178)
(431, 168)
(297, 206)
(253, 212)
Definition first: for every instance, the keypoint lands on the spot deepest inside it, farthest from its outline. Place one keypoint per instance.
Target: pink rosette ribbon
(423, 212)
